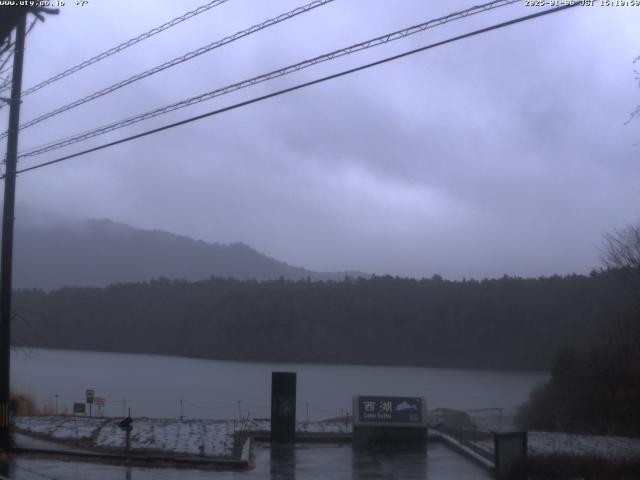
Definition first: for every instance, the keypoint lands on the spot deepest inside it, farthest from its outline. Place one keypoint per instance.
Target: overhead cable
(383, 39)
(176, 61)
(9, 55)
(127, 44)
(301, 85)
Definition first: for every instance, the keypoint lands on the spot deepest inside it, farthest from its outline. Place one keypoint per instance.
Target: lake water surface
(164, 386)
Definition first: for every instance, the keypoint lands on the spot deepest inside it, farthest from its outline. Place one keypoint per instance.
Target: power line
(399, 34)
(268, 76)
(302, 85)
(6, 49)
(9, 52)
(122, 46)
(177, 61)
(4, 63)
(33, 22)
(5, 83)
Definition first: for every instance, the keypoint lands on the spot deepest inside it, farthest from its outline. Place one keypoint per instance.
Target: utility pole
(6, 255)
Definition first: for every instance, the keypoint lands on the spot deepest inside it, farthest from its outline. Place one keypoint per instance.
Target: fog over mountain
(504, 153)
(54, 253)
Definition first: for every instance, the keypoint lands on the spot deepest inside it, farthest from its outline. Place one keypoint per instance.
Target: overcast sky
(505, 153)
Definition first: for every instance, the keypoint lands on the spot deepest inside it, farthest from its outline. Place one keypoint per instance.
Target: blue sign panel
(381, 410)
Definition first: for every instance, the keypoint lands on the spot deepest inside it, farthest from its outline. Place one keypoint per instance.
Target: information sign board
(78, 408)
(382, 410)
(90, 393)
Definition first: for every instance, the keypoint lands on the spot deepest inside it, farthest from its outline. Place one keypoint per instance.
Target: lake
(165, 386)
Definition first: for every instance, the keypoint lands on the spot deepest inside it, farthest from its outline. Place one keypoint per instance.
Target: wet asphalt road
(304, 462)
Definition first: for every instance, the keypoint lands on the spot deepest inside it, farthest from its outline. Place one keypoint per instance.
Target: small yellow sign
(90, 393)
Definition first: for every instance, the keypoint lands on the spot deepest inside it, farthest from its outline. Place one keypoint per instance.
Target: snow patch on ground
(200, 437)
(210, 438)
(58, 427)
(547, 443)
(214, 438)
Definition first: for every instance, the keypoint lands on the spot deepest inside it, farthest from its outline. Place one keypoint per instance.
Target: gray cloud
(500, 154)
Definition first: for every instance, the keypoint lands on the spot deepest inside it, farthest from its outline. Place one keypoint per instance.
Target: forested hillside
(508, 323)
(55, 253)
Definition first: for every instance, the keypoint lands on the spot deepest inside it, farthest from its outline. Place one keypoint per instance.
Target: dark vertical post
(283, 407)
(510, 451)
(6, 256)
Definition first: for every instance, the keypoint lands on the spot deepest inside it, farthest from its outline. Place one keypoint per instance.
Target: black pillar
(283, 407)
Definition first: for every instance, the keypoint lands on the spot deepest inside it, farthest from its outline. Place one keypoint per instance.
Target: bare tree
(621, 255)
(635, 113)
(622, 248)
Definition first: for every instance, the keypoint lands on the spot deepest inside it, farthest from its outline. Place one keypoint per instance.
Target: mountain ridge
(99, 252)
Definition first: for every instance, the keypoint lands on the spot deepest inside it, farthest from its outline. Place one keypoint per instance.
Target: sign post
(79, 408)
(90, 394)
(99, 403)
(127, 425)
(382, 420)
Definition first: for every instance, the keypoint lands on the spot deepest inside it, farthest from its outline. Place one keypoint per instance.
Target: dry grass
(24, 404)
